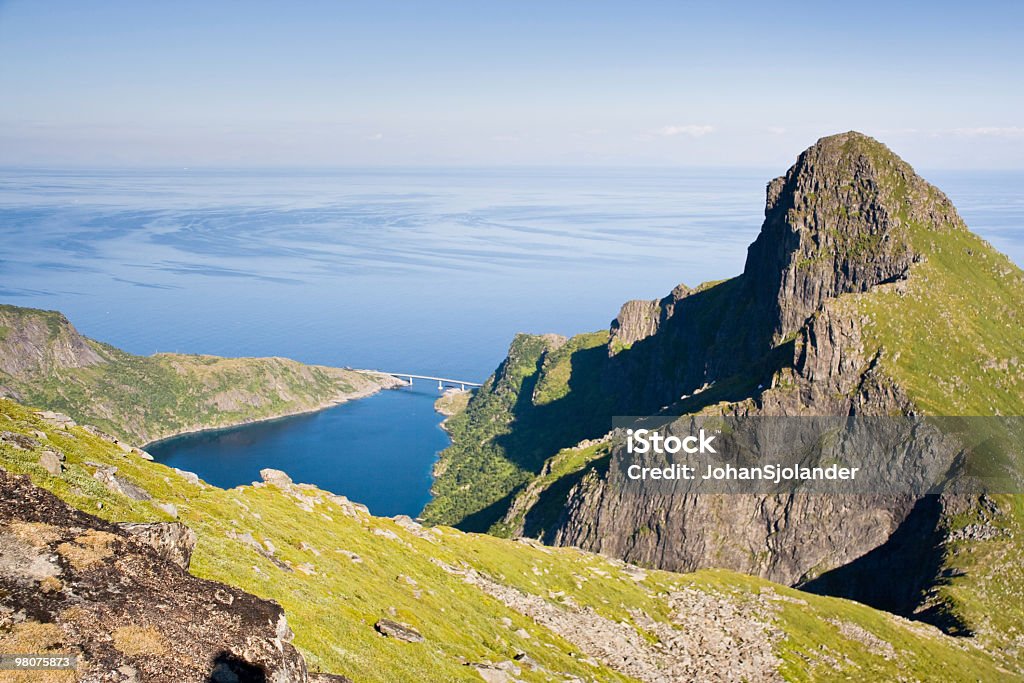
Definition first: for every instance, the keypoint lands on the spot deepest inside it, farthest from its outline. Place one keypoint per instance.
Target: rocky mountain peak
(839, 221)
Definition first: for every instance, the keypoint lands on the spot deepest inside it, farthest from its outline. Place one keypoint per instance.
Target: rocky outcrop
(837, 222)
(37, 341)
(173, 541)
(398, 631)
(276, 478)
(73, 584)
(107, 475)
(639, 319)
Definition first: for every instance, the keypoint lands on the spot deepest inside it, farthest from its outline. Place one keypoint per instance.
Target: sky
(240, 84)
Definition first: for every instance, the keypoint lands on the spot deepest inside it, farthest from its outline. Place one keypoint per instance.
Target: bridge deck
(447, 380)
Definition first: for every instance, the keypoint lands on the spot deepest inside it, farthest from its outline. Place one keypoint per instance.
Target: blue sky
(492, 83)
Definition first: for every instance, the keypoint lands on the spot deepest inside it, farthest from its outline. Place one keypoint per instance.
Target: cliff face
(863, 293)
(45, 361)
(837, 222)
(33, 344)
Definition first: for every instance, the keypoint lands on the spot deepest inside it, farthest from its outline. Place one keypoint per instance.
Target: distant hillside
(45, 362)
(385, 600)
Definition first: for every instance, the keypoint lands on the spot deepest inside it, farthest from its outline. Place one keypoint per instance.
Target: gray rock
(407, 523)
(169, 508)
(107, 475)
(398, 631)
(51, 462)
(491, 673)
(349, 507)
(20, 442)
(56, 419)
(173, 541)
(142, 454)
(190, 477)
(276, 478)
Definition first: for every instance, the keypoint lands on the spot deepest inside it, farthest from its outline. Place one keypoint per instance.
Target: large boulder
(174, 541)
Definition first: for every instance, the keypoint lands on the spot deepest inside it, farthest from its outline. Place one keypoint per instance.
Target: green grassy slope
(332, 601)
(953, 338)
(145, 398)
(527, 410)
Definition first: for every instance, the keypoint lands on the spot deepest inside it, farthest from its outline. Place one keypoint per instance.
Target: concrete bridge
(441, 381)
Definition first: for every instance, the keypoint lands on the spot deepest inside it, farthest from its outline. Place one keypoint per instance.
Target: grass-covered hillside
(485, 608)
(953, 338)
(44, 361)
(511, 425)
(946, 334)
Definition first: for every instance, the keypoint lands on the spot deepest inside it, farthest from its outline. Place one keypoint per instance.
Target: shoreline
(449, 404)
(326, 405)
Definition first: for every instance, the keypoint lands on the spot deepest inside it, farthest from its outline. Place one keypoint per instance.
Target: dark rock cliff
(836, 223)
(779, 342)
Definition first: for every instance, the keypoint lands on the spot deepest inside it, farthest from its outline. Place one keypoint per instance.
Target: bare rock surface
(72, 583)
(276, 478)
(173, 541)
(713, 638)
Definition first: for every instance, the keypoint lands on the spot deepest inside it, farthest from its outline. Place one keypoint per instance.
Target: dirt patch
(36, 534)
(89, 549)
(139, 640)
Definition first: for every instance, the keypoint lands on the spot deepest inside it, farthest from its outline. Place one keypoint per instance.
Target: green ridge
(145, 398)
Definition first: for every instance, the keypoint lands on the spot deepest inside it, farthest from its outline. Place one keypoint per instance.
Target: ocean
(419, 270)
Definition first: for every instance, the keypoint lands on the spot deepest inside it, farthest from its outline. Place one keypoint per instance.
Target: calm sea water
(428, 271)
(376, 451)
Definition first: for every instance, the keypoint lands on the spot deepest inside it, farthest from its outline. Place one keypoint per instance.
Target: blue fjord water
(376, 451)
(428, 271)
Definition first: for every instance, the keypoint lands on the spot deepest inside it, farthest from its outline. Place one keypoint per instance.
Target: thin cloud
(990, 131)
(692, 130)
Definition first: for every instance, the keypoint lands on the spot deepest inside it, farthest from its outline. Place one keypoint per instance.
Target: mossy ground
(333, 611)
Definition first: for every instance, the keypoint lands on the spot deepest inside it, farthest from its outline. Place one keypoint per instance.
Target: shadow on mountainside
(700, 343)
(897, 575)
